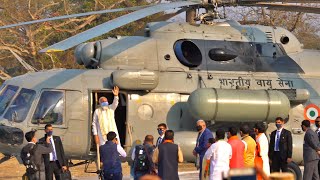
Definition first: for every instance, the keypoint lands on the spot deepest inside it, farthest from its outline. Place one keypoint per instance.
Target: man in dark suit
(55, 162)
(201, 145)
(161, 131)
(311, 152)
(280, 149)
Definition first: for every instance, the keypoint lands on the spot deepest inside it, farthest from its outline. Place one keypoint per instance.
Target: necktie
(198, 139)
(159, 141)
(277, 141)
(54, 158)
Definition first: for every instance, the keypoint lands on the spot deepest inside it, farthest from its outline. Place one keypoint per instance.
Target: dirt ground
(12, 170)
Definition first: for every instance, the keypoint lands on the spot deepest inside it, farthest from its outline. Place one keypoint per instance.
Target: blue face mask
(49, 133)
(160, 132)
(104, 104)
(279, 126)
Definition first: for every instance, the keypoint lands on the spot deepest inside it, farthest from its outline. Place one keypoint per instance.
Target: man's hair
(200, 120)
(30, 135)
(163, 125)
(260, 127)
(111, 135)
(220, 134)
(233, 131)
(211, 140)
(279, 118)
(149, 177)
(306, 123)
(168, 135)
(100, 99)
(47, 125)
(148, 138)
(245, 129)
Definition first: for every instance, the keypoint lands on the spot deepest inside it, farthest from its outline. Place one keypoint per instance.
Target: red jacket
(237, 146)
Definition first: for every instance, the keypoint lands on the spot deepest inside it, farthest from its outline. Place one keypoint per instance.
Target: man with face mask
(280, 149)
(103, 118)
(55, 162)
(201, 145)
(162, 128)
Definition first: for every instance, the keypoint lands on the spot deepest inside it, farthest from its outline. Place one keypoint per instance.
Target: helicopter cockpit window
(20, 107)
(50, 108)
(6, 97)
(188, 53)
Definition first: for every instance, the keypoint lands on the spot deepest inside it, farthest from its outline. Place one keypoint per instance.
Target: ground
(12, 170)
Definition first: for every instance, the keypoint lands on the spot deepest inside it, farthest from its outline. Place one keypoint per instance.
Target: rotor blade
(75, 15)
(283, 1)
(289, 7)
(28, 67)
(113, 24)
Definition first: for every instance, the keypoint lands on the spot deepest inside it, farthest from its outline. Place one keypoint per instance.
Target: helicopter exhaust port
(88, 54)
(229, 105)
(135, 79)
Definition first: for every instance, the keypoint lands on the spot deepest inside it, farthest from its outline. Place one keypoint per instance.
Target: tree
(304, 26)
(27, 40)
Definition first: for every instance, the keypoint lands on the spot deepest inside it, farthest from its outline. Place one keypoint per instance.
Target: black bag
(65, 175)
(141, 161)
(28, 160)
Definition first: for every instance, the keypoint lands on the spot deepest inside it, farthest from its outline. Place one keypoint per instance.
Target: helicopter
(222, 72)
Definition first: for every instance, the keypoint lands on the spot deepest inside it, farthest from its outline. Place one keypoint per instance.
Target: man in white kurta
(103, 118)
(264, 149)
(218, 156)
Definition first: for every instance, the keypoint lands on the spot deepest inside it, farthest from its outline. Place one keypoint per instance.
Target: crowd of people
(215, 157)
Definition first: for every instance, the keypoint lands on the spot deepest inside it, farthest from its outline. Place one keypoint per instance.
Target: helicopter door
(120, 113)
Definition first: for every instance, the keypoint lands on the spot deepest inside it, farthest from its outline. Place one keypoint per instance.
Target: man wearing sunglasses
(161, 131)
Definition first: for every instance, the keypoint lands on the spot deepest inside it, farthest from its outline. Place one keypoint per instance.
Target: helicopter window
(20, 107)
(50, 108)
(188, 53)
(6, 97)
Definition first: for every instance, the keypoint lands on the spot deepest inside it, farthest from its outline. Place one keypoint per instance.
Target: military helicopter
(223, 72)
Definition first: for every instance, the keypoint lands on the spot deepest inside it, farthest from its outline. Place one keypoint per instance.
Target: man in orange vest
(237, 146)
(249, 153)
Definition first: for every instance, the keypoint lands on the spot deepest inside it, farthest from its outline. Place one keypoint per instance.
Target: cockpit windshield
(20, 107)
(6, 97)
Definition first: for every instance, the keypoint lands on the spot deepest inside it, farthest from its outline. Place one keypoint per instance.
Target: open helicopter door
(120, 113)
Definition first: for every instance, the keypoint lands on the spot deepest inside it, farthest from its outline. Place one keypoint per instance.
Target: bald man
(103, 118)
(201, 146)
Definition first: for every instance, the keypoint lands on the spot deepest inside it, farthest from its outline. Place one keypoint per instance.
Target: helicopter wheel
(295, 170)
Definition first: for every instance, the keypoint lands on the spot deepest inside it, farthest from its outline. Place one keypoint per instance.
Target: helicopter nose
(11, 135)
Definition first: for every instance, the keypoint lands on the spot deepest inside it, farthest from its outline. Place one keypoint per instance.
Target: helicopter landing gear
(295, 170)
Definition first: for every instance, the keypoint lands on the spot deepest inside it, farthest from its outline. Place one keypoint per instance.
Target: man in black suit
(55, 162)
(280, 149)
